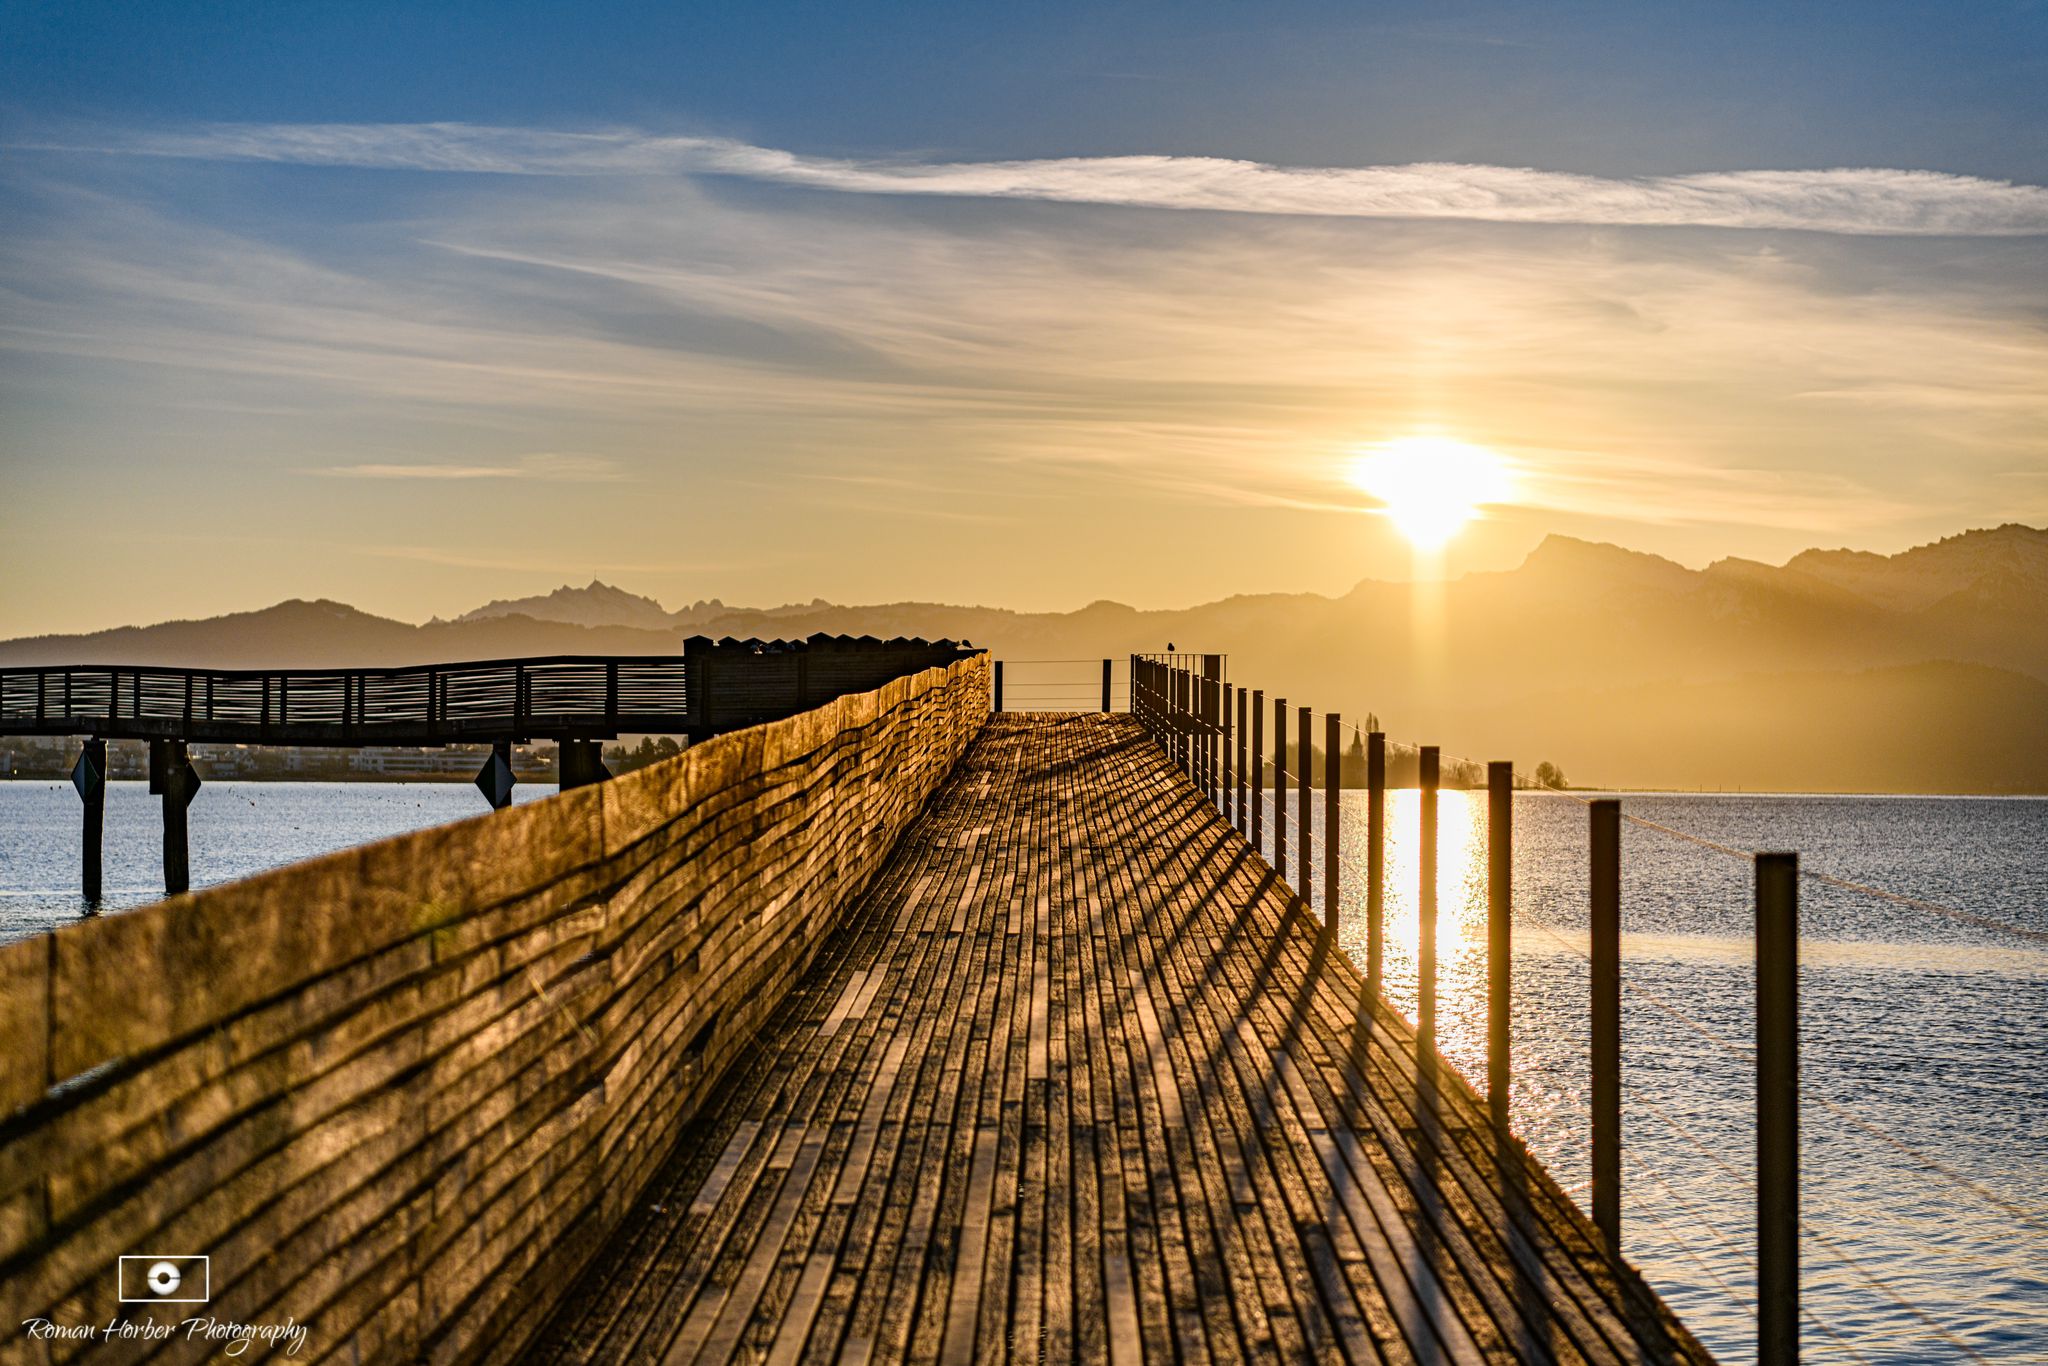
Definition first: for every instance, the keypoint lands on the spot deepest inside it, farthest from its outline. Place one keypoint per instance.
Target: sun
(1431, 486)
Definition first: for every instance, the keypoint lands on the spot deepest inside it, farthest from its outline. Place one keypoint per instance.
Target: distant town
(31, 757)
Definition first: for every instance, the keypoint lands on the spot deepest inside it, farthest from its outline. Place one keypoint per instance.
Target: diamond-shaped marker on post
(191, 784)
(85, 777)
(494, 780)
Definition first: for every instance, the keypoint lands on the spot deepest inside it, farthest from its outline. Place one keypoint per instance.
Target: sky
(418, 306)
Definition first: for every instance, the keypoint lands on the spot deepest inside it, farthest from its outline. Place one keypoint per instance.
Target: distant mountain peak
(1569, 556)
(600, 604)
(1913, 579)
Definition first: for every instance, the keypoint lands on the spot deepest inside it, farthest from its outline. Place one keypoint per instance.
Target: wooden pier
(1079, 1078)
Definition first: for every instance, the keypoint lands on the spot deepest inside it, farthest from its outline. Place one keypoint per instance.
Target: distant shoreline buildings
(30, 757)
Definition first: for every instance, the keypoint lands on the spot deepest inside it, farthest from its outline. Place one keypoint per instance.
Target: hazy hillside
(1926, 670)
(326, 635)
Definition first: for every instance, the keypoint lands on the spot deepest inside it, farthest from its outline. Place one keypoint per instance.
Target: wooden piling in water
(1242, 822)
(1333, 794)
(1304, 759)
(92, 789)
(1280, 787)
(1375, 860)
(170, 780)
(1500, 869)
(1425, 907)
(1258, 769)
(1777, 1108)
(578, 763)
(1226, 794)
(1606, 1021)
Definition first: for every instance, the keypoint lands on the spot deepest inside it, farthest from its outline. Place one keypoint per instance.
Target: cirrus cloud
(1862, 201)
(547, 467)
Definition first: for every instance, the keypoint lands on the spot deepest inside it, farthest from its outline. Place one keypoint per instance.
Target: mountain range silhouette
(1840, 670)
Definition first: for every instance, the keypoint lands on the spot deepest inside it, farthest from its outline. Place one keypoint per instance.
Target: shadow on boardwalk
(1079, 1079)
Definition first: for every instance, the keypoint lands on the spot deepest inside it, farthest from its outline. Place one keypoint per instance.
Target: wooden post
(1425, 967)
(501, 752)
(90, 778)
(578, 763)
(1777, 1109)
(1304, 760)
(1280, 786)
(1375, 861)
(1243, 821)
(1258, 768)
(1500, 873)
(1333, 801)
(1105, 685)
(1606, 1022)
(1226, 797)
(999, 685)
(170, 777)
(1213, 726)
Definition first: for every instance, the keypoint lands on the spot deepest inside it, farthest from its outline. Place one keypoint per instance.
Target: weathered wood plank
(1097, 1090)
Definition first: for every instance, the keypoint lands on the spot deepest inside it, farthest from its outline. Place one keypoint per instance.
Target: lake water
(1924, 1037)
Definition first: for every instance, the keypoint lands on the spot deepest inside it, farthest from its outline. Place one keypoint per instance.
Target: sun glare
(1431, 485)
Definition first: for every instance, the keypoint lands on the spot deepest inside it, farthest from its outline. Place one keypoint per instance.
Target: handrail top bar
(352, 672)
(529, 661)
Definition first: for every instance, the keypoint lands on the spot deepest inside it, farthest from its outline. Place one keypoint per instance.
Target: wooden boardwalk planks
(1078, 1079)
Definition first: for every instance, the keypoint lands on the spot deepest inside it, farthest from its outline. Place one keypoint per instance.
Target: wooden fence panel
(399, 1093)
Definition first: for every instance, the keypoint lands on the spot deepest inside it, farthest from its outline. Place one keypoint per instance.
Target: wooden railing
(1217, 735)
(711, 686)
(398, 1094)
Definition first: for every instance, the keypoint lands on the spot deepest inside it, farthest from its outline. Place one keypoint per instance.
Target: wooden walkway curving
(1076, 1081)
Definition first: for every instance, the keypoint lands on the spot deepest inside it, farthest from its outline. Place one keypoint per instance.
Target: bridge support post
(1304, 827)
(1280, 786)
(89, 776)
(1777, 1109)
(1500, 942)
(1238, 801)
(172, 778)
(1606, 1021)
(495, 780)
(1375, 860)
(1425, 909)
(1333, 809)
(579, 763)
(1226, 795)
(1211, 726)
(1257, 772)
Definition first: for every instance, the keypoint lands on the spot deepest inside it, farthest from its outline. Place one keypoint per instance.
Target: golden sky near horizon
(417, 365)
(768, 401)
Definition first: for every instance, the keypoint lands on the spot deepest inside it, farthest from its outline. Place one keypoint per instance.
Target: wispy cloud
(545, 468)
(1842, 200)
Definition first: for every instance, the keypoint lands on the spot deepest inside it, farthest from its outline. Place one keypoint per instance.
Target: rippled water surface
(236, 828)
(1924, 1048)
(1924, 1037)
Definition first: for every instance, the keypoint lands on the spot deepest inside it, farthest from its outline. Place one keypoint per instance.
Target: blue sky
(415, 305)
